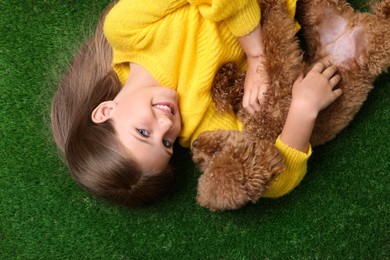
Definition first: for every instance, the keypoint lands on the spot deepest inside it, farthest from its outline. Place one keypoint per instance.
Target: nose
(165, 123)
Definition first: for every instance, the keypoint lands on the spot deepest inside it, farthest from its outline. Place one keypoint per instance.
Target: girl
(117, 125)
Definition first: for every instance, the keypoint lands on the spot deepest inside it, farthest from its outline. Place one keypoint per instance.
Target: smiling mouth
(166, 107)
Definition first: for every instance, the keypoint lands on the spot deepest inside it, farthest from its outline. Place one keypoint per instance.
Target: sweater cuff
(245, 20)
(295, 169)
(293, 153)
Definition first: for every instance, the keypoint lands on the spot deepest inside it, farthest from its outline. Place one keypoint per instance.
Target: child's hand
(256, 84)
(315, 91)
(310, 95)
(257, 79)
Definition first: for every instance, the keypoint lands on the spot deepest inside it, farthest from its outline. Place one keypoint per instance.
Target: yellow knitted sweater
(182, 43)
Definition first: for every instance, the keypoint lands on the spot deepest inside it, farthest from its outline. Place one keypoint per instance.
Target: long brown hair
(96, 158)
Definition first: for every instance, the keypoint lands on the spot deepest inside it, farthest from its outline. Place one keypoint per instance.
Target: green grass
(341, 209)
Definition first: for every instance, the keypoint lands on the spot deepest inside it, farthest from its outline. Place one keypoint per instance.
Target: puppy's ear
(266, 165)
(221, 187)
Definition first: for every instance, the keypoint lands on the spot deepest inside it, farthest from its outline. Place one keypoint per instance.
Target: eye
(143, 132)
(167, 144)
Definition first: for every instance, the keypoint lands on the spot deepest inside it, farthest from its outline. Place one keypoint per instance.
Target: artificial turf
(340, 210)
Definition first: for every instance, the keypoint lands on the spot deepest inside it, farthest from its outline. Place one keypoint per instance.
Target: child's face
(148, 122)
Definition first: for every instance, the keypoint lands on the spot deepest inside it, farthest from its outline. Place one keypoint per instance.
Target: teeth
(167, 108)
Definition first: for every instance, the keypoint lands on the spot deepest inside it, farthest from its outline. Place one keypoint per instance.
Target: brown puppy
(238, 167)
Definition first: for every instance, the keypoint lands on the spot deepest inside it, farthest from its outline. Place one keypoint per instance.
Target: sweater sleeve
(295, 170)
(138, 14)
(241, 16)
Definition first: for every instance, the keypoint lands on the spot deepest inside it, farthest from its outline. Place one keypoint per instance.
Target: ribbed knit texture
(183, 50)
(296, 167)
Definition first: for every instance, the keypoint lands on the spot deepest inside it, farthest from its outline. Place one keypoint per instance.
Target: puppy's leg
(357, 43)
(322, 23)
(349, 39)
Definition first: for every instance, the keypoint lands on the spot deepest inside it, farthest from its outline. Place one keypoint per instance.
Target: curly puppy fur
(238, 167)
(248, 166)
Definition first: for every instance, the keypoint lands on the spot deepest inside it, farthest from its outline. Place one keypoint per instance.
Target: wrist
(303, 110)
(298, 127)
(255, 53)
(252, 43)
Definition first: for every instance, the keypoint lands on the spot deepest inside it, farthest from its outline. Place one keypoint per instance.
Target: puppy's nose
(195, 143)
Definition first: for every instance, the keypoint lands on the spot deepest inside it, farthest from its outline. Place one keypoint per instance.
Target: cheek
(178, 124)
(138, 109)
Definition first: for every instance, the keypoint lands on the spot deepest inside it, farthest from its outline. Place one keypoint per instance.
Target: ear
(103, 111)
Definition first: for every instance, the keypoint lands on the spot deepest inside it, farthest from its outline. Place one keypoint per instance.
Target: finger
(326, 62)
(318, 67)
(329, 71)
(246, 102)
(334, 80)
(337, 92)
(260, 99)
(262, 92)
(255, 102)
